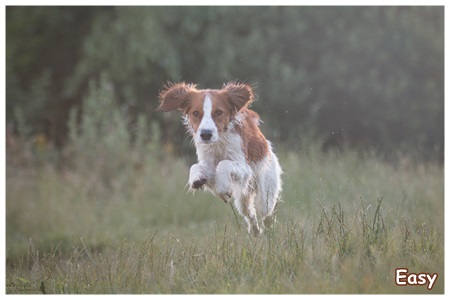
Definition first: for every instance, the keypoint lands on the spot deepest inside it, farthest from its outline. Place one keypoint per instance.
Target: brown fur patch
(254, 143)
(176, 96)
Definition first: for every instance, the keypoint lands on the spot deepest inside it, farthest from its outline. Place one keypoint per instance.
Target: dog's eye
(196, 114)
(219, 113)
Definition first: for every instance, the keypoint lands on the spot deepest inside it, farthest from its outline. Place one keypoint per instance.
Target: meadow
(111, 214)
(347, 221)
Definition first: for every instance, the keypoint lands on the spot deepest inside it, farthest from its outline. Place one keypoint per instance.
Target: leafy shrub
(101, 146)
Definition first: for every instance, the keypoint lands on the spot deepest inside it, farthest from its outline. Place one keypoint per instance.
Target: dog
(235, 160)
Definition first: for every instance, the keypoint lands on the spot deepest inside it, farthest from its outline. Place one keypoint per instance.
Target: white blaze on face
(207, 131)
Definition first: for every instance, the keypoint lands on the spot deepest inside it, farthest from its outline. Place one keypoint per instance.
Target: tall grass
(117, 218)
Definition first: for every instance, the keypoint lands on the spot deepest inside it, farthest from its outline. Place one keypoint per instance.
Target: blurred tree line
(366, 77)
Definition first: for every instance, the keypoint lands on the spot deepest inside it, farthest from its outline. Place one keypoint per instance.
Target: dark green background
(356, 77)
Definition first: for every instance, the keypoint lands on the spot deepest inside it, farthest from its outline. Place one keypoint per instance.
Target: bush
(101, 146)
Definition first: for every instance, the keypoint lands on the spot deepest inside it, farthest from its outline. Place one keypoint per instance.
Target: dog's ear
(239, 94)
(175, 96)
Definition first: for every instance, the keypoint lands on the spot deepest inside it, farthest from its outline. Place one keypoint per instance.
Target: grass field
(346, 222)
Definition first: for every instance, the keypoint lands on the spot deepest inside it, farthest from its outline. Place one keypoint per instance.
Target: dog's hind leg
(268, 188)
(266, 202)
(246, 207)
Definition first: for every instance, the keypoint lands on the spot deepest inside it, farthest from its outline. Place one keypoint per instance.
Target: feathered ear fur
(240, 94)
(175, 96)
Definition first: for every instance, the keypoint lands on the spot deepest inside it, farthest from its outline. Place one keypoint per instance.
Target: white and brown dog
(234, 158)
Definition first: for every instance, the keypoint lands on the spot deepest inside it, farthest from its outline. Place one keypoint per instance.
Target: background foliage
(353, 76)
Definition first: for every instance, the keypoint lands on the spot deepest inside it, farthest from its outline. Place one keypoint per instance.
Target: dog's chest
(228, 148)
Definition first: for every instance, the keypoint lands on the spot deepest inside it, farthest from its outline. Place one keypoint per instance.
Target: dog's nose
(206, 134)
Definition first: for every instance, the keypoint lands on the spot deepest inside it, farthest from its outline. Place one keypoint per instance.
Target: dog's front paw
(198, 184)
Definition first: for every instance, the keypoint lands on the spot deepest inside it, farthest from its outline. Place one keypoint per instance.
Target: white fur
(222, 165)
(207, 122)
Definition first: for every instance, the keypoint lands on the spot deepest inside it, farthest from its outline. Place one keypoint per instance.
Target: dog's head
(208, 112)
